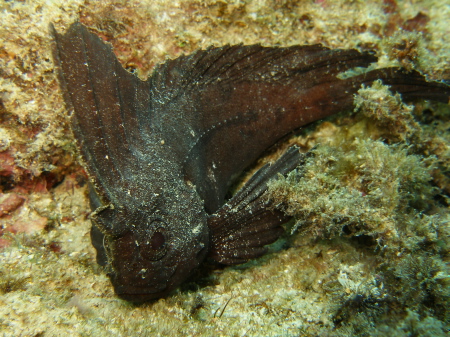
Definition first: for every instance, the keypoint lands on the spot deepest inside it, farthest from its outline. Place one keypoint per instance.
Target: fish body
(163, 153)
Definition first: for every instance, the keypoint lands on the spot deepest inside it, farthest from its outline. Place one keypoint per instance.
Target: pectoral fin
(246, 223)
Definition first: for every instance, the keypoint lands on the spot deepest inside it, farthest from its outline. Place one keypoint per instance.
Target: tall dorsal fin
(211, 113)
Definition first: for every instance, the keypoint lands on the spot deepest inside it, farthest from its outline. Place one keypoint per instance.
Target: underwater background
(367, 251)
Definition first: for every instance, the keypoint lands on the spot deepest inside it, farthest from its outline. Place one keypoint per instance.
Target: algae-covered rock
(371, 203)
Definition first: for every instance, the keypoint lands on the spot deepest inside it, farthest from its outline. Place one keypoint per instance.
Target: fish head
(151, 249)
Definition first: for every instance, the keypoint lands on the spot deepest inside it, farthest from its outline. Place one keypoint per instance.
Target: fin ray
(245, 224)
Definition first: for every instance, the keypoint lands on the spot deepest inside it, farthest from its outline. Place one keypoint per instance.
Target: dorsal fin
(210, 114)
(107, 101)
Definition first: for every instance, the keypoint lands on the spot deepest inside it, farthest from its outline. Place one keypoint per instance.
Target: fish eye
(158, 239)
(153, 245)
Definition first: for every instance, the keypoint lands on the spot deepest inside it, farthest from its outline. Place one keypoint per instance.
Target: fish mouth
(140, 298)
(137, 289)
(136, 294)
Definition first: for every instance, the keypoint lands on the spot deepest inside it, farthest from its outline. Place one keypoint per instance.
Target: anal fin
(246, 223)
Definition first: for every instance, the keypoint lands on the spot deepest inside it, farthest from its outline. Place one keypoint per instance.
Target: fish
(162, 153)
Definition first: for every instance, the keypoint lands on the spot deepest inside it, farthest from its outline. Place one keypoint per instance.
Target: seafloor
(370, 245)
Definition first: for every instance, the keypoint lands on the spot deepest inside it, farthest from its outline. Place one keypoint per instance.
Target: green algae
(374, 183)
(359, 187)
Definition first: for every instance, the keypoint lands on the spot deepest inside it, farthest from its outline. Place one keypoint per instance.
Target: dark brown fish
(162, 153)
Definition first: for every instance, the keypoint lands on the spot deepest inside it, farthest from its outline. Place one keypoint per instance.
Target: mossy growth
(406, 299)
(11, 283)
(362, 187)
(423, 284)
(393, 118)
(378, 183)
(412, 324)
(423, 126)
(407, 49)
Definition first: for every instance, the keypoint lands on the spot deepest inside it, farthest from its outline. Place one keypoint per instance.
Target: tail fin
(411, 85)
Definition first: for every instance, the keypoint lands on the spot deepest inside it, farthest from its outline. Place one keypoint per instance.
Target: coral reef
(370, 247)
